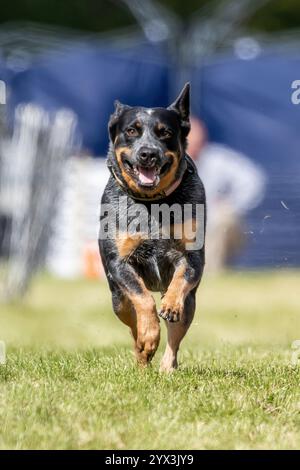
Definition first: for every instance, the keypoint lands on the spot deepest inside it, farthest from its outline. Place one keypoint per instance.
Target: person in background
(234, 185)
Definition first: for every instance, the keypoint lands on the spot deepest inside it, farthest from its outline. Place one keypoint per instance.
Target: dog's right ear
(114, 118)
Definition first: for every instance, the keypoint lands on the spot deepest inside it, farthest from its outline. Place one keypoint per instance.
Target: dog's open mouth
(146, 176)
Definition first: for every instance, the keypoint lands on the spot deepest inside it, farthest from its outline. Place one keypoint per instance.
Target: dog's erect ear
(182, 102)
(182, 106)
(114, 118)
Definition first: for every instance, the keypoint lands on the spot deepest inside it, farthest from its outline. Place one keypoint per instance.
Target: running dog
(149, 166)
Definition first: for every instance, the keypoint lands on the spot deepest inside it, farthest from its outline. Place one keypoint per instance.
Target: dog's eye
(165, 133)
(132, 132)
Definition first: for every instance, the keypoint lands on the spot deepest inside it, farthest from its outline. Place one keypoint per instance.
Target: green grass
(70, 380)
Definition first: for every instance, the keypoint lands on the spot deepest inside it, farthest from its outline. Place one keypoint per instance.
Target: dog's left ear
(182, 106)
(114, 118)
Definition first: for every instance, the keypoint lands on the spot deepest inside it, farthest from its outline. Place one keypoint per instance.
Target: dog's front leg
(178, 305)
(187, 275)
(147, 322)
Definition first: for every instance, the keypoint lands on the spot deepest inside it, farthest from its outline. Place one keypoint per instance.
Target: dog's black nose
(148, 156)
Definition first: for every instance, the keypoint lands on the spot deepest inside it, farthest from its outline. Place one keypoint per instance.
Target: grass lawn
(70, 380)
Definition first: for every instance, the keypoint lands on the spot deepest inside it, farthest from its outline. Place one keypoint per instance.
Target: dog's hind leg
(124, 310)
(148, 329)
(135, 307)
(176, 333)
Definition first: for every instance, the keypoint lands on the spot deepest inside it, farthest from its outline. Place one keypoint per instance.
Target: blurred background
(62, 65)
(69, 379)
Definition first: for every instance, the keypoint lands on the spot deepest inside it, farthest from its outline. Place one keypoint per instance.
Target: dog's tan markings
(172, 305)
(127, 243)
(139, 313)
(186, 232)
(127, 178)
(147, 323)
(127, 315)
(122, 151)
(182, 233)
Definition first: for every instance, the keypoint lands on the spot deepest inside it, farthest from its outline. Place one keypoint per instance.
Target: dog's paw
(170, 311)
(168, 365)
(147, 340)
(169, 315)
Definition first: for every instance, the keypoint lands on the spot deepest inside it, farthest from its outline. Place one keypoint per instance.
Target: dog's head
(147, 145)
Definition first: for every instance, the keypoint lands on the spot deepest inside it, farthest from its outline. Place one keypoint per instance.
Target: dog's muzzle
(148, 165)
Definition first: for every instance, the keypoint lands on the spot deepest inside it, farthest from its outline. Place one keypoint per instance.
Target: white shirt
(230, 176)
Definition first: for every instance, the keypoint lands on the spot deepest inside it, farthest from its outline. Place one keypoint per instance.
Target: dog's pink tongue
(147, 175)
